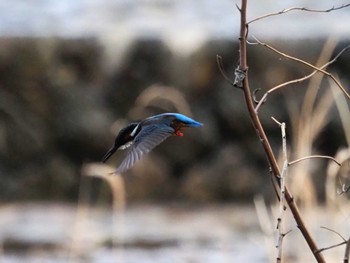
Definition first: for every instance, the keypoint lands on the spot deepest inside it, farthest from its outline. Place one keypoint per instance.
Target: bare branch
(261, 102)
(330, 247)
(239, 9)
(222, 71)
(263, 99)
(278, 123)
(335, 232)
(264, 140)
(314, 156)
(254, 95)
(299, 9)
(306, 64)
(289, 231)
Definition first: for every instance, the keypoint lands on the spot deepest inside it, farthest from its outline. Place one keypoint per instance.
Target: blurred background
(73, 73)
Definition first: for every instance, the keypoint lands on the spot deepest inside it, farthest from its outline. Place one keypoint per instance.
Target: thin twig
(275, 120)
(344, 188)
(335, 232)
(264, 97)
(261, 101)
(298, 9)
(330, 247)
(306, 64)
(238, 8)
(314, 156)
(254, 95)
(222, 71)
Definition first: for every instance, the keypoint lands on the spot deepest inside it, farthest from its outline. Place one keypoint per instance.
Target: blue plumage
(184, 119)
(145, 135)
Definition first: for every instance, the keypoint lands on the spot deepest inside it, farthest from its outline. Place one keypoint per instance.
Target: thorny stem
(265, 142)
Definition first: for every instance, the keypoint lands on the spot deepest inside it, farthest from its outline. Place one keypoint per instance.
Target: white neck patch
(125, 146)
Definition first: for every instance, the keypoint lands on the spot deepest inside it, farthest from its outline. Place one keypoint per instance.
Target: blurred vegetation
(61, 106)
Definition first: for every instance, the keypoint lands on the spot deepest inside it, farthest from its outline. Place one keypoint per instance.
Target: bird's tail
(108, 154)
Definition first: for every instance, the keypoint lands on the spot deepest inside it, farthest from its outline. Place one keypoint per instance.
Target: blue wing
(147, 139)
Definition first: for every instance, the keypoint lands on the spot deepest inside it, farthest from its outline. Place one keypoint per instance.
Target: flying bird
(141, 137)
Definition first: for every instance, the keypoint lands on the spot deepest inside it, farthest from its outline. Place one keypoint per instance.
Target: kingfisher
(142, 136)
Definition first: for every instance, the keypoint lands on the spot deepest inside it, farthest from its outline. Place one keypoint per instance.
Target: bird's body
(141, 137)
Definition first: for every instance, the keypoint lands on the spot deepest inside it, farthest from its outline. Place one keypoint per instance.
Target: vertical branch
(263, 138)
(282, 207)
(249, 99)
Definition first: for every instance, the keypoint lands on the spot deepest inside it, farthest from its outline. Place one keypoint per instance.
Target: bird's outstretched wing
(148, 138)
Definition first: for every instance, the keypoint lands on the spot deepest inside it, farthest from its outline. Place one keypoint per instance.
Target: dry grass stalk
(155, 95)
(307, 124)
(265, 220)
(116, 184)
(337, 175)
(115, 181)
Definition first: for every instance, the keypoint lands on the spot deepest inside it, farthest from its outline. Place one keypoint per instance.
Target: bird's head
(126, 134)
(181, 121)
